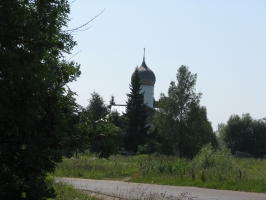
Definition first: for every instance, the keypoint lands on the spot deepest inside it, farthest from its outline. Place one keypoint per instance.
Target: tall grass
(66, 192)
(210, 169)
(116, 167)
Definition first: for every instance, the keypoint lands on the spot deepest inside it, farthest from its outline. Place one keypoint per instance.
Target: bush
(220, 163)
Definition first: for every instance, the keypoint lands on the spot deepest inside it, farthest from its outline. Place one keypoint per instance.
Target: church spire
(144, 56)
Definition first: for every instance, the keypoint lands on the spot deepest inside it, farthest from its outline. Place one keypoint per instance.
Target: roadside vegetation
(209, 169)
(116, 167)
(66, 192)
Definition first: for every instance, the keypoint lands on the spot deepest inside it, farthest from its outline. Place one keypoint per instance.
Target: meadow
(209, 169)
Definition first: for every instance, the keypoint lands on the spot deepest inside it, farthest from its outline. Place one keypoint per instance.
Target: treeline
(179, 127)
(244, 134)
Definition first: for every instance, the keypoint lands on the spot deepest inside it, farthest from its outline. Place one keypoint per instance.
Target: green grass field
(67, 192)
(209, 169)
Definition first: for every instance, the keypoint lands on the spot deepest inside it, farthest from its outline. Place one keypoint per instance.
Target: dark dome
(146, 75)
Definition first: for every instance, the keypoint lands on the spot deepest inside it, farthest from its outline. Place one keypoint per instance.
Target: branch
(75, 29)
(73, 56)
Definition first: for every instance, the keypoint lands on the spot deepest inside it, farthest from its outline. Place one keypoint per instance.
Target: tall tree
(136, 114)
(37, 111)
(39, 118)
(179, 112)
(97, 107)
(199, 131)
(111, 103)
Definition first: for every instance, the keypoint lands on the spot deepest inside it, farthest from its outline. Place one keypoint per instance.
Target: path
(135, 191)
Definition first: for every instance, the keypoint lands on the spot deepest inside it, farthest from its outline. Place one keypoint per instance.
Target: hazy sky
(224, 42)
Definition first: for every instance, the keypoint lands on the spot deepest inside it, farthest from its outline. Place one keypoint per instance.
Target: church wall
(148, 94)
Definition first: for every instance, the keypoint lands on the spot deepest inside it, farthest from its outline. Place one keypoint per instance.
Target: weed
(67, 192)
(221, 170)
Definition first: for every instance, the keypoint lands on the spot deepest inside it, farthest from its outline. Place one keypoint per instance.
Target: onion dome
(146, 75)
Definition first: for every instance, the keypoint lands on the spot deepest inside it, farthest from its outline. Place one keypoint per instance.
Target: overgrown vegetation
(210, 169)
(116, 167)
(67, 192)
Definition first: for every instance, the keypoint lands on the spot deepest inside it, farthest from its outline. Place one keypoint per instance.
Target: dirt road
(128, 190)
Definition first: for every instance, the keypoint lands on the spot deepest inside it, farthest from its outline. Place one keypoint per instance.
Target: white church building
(148, 80)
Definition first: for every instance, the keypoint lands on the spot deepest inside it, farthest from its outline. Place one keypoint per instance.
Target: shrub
(220, 163)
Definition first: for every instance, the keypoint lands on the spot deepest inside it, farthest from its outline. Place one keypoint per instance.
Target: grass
(67, 192)
(209, 169)
(117, 167)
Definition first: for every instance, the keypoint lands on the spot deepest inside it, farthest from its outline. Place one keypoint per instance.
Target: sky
(223, 42)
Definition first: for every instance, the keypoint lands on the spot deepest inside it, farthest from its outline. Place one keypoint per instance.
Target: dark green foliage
(97, 107)
(114, 118)
(220, 134)
(136, 114)
(39, 119)
(120, 122)
(245, 134)
(182, 123)
(199, 131)
(99, 136)
(37, 110)
(102, 138)
(111, 103)
(154, 143)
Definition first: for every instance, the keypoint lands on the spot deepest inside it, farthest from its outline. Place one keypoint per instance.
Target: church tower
(147, 82)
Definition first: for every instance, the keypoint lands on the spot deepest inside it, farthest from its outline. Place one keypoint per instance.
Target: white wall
(148, 95)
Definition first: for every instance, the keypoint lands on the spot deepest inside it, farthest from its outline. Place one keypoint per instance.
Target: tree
(238, 133)
(245, 134)
(119, 121)
(97, 107)
(220, 133)
(181, 121)
(39, 118)
(99, 136)
(136, 114)
(199, 131)
(111, 103)
(259, 130)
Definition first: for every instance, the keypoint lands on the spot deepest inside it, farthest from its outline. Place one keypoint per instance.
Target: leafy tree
(181, 121)
(153, 143)
(239, 132)
(37, 111)
(99, 136)
(97, 112)
(39, 118)
(119, 122)
(245, 134)
(97, 107)
(199, 131)
(104, 139)
(136, 114)
(220, 133)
